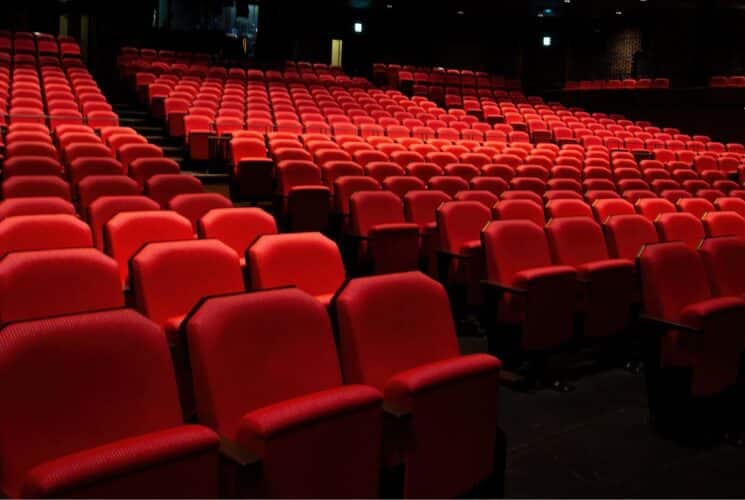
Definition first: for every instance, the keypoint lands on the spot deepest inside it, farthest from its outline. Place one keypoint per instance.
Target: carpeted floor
(597, 442)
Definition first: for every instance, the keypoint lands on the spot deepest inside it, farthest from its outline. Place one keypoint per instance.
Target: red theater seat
(532, 293)
(37, 284)
(608, 283)
(236, 227)
(386, 241)
(273, 414)
(684, 227)
(35, 206)
(104, 208)
(678, 300)
(433, 383)
(170, 277)
(43, 232)
(28, 186)
(626, 235)
(309, 261)
(127, 232)
(163, 187)
(194, 206)
(143, 453)
(724, 224)
(94, 186)
(143, 169)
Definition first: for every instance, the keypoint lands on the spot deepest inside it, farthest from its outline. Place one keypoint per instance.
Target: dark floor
(597, 442)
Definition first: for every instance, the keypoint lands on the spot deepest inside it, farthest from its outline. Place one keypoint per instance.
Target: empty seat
(32, 165)
(722, 259)
(130, 152)
(607, 293)
(236, 227)
(460, 224)
(27, 186)
(104, 208)
(736, 205)
(568, 208)
(724, 224)
(605, 208)
(386, 241)
(683, 226)
(143, 169)
(450, 185)
(43, 232)
(35, 206)
(108, 450)
(653, 207)
(487, 198)
(194, 206)
(94, 186)
(163, 187)
(170, 277)
(230, 338)
(371, 326)
(402, 184)
(527, 210)
(532, 293)
(127, 232)
(626, 235)
(37, 284)
(695, 206)
(676, 290)
(83, 167)
(309, 261)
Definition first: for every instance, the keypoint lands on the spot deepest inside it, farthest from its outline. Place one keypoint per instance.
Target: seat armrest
(523, 278)
(499, 287)
(404, 387)
(586, 271)
(58, 476)
(263, 424)
(695, 314)
(661, 326)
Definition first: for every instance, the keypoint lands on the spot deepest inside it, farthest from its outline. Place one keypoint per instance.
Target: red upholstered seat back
(373, 324)
(576, 240)
(43, 232)
(44, 283)
(461, 222)
(627, 234)
(77, 382)
(169, 278)
(236, 227)
(512, 246)
(231, 339)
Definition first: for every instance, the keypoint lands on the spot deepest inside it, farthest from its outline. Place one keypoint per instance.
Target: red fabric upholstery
(131, 152)
(608, 294)
(684, 227)
(346, 186)
(568, 208)
(32, 165)
(696, 206)
(610, 207)
(675, 288)
(236, 227)
(104, 208)
(316, 439)
(309, 261)
(163, 187)
(27, 186)
(142, 169)
(44, 283)
(724, 224)
(83, 167)
(127, 232)
(520, 210)
(517, 254)
(169, 278)
(43, 232)
(194, 206)
(78, 440)
(35, 206)
(651, 208)
(371, 326)
(94, 186)
(626, 235)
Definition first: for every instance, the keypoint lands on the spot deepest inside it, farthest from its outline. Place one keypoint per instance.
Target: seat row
(271, 424)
